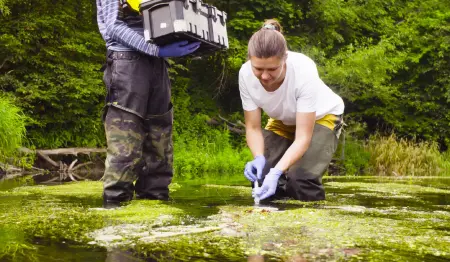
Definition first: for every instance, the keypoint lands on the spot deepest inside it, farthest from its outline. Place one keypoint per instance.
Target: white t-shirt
(301, 91)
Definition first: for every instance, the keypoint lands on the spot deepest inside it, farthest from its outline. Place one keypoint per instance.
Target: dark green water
(199, 202)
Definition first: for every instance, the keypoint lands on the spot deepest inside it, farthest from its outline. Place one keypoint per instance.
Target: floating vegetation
(365, 221)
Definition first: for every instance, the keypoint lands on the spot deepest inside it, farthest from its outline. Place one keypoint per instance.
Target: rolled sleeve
(247, 102)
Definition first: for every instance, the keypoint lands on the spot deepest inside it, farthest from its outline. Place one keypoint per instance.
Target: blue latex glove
(254, 168)
(269, 185)
(178, 49)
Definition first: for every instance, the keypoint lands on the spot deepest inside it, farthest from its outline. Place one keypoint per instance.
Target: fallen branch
(231, 123)
(159, 235)
(236, 130)
(71, 151)
(232, 127)
(78, 177)
(82, 165)
(47, 158)
(72, 164)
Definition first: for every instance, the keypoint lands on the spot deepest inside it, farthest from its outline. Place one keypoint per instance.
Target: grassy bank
(201, 150)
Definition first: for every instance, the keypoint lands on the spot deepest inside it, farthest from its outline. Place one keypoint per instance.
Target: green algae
(329, 233)
(403, 225)
(205, 247)
(236, 190)
(387, 188)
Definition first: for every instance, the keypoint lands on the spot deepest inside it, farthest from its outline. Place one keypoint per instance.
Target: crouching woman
(296, 146)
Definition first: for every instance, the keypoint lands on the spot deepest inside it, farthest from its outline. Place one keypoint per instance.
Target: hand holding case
(168, 21)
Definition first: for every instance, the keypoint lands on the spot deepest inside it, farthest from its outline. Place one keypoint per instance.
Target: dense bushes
(12, 128)
(389, 60)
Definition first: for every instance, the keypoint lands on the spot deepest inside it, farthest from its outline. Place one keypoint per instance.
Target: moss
(69, 212)
(331, 233)
(402, 226)
(205, 247)
(387, 188)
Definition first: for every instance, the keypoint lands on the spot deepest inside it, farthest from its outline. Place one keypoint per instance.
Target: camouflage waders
(138, 126)
(303, 180)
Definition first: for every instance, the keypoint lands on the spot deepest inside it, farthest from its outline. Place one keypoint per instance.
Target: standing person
(294, 150)
(138, 115)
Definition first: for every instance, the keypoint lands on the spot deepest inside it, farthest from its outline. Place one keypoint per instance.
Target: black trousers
(138, 126)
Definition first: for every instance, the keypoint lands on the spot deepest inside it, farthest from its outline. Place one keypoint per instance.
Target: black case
(168, 21)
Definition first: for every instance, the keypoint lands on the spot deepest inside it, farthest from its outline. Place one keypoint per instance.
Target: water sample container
(168, 21)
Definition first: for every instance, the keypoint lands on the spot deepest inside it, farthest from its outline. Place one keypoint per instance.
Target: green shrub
(207, 150)
(355, 159)
(12, 128)
(351, 155)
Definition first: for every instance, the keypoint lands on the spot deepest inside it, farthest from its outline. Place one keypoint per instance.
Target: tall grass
(399, 157)
(204, 151)
(12, 128)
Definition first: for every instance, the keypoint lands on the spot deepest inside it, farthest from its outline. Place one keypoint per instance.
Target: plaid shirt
(117, 34)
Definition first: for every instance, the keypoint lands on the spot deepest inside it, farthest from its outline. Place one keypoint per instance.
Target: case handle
(195, 3)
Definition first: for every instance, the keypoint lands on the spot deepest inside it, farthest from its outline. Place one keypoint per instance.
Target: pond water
(363, 219)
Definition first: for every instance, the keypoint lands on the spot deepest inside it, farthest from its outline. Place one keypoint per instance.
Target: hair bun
(272, 24)
(271, 27)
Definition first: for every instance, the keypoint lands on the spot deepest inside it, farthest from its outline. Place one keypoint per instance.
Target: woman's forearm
(255, 141)
(293, 154)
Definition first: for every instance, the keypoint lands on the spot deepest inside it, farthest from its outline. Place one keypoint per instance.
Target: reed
(393, 156)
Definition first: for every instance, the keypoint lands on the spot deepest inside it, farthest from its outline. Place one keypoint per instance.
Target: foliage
(395, 76)
(12, 128)
(389, 60)
(351, 155)
(50, 60)
(399, 157)
(199, 149)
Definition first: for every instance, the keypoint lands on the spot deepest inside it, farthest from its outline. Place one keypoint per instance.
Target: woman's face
(270, 71)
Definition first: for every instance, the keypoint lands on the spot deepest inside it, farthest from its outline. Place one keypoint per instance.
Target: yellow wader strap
(288, 132)
(133, 4)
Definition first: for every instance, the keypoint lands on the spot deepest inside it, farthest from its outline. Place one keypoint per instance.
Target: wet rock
(297, 259)
(231, 232)
(108, 238)
(351, 251)
(326, 251)
(175, 231)
(356, 209)
(255, 258)
(270, 246)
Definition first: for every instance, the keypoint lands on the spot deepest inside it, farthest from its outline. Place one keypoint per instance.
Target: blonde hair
(268, 41)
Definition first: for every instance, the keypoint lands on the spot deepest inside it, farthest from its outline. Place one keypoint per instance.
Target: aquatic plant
(370, 219)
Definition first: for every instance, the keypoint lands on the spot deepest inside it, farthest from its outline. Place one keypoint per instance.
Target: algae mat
(363, 219)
